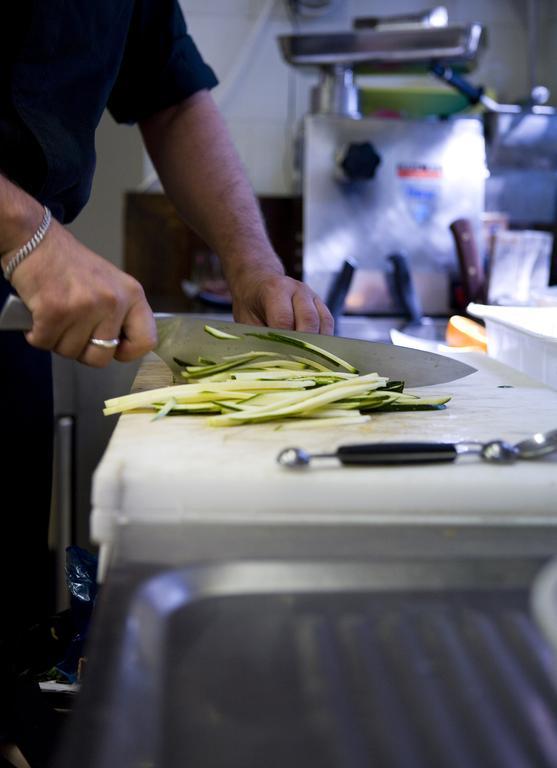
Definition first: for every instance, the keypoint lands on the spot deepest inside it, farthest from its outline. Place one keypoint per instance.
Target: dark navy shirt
(62, 62)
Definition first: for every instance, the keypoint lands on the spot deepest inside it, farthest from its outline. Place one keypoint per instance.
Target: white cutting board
(179, 469)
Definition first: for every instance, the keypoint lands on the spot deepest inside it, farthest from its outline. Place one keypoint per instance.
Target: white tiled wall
(262, 108)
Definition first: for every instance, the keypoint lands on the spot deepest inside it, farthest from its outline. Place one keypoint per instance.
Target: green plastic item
(411, 102)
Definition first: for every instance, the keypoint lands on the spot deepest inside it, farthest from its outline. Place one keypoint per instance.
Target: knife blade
(183, 338)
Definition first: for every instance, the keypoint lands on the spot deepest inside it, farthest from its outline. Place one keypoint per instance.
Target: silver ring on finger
(104, 343)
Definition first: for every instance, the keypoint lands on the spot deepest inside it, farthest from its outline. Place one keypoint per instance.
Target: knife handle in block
(471, 266)
(404, 288)
(396, 453)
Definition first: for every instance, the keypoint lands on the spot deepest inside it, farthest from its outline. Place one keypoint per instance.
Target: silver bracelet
(29, 246)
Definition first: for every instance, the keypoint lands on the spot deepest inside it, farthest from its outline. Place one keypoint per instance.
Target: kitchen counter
(180, 471)
(332, 616)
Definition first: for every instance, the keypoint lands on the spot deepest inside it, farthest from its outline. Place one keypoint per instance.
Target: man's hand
(74, 295)
(280, 302)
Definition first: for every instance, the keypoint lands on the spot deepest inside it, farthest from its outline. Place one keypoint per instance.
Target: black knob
(358, 162)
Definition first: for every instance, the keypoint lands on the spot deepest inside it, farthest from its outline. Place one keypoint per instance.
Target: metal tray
(387, 50)
(415, 664)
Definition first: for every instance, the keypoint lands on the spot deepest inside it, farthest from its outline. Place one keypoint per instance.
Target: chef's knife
(182, 339)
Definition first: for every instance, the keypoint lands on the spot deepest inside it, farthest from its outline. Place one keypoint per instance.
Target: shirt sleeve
(161, 65)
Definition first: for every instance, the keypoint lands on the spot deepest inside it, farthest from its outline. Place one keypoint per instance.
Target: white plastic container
(522, 337)
(546, 297)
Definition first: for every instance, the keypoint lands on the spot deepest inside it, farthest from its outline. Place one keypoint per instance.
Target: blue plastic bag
(81, 579)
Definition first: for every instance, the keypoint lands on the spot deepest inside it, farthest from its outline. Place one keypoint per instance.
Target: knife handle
(338, 290)
(396, 453)
(471, 267)
(404, 288)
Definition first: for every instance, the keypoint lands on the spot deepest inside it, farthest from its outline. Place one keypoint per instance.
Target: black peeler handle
(396, 453)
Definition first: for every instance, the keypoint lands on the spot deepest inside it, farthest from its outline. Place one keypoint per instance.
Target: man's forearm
(202, 174)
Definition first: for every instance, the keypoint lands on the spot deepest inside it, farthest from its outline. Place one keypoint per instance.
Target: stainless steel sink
(429, 659)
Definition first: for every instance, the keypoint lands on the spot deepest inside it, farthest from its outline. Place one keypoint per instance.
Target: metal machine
(374, 186)
(521, 143)
(428, 174)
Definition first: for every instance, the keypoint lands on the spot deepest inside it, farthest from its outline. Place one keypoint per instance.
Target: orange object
(463, 332)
